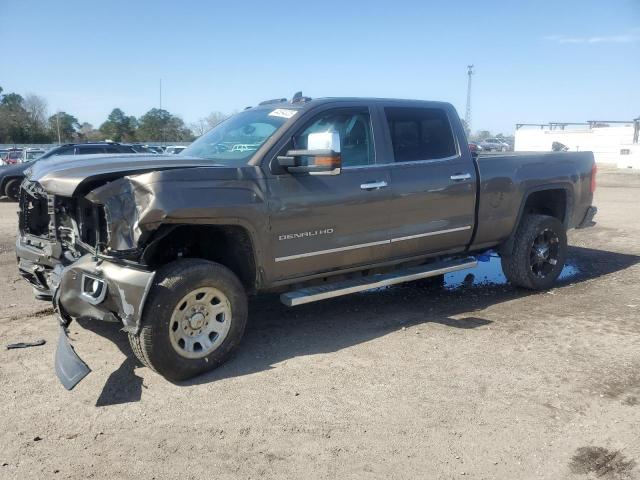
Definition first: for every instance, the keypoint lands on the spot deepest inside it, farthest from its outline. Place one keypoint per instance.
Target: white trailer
(610, 141)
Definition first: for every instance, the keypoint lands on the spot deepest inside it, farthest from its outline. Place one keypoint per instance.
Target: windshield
(234, 141)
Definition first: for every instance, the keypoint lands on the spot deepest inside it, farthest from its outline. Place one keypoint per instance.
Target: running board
(322, 292)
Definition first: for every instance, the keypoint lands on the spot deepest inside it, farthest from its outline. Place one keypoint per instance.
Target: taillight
(594, 170)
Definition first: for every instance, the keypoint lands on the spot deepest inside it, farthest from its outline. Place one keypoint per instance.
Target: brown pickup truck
(311, 198)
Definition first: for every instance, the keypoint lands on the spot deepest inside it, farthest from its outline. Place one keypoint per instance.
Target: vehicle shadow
(123, 385)
(276, 333)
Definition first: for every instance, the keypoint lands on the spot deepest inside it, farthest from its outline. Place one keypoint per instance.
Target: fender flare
(507, 245)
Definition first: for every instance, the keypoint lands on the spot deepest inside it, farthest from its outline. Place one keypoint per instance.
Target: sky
(535, 61)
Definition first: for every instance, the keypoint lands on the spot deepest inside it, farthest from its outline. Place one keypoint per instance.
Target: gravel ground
(479, 380)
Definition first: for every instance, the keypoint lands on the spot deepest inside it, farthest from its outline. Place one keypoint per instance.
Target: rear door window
(420, 134)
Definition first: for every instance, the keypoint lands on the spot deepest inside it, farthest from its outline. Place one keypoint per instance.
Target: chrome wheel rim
(544, 253)
(200, 322)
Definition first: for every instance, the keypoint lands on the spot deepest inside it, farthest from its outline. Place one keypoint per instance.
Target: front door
(326, 223)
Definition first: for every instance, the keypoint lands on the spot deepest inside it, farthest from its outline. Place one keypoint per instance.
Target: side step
(322, 292)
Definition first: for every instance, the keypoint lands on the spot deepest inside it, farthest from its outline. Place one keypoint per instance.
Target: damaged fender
(124, 201)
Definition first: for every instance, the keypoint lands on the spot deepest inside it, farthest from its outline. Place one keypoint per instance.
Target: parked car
(142, 148)
(31, 154)
(13, 156)
(11, 177)
(155, 148)
(170, 247)
(495, 145)
(175, 149)
(474, 148)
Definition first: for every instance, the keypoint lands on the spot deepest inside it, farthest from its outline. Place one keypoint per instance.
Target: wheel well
(551, 202)
(547, 202)
(228, 245)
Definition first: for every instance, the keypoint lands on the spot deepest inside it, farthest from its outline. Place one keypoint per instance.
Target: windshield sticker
(283, 112)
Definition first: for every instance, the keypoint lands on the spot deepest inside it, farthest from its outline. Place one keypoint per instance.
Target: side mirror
(322, 156)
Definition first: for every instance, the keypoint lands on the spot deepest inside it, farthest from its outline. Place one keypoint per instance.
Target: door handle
(373, 185)
(460, 176)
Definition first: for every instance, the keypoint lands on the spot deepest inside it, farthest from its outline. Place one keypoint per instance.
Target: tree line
(26, 120)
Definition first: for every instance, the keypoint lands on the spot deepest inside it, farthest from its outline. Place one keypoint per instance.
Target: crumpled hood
(61, 175)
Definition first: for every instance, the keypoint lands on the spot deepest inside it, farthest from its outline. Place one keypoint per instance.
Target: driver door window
(356, 137)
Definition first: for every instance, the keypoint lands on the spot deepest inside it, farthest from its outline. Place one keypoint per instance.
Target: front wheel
(194, 318)
(12, 189)
(539, 253)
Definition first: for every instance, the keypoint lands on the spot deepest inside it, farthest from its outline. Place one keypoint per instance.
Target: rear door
(433, 180)
(332, 222)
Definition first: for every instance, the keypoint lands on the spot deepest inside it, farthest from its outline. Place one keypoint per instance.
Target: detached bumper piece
(102, 290)
(588, 218)
(70, 369)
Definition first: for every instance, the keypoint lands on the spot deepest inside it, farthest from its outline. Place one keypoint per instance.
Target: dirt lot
(476, 381)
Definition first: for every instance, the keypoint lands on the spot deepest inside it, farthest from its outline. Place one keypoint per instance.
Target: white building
(610, 141)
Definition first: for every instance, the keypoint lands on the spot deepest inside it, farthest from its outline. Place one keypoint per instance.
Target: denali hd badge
(313, 233)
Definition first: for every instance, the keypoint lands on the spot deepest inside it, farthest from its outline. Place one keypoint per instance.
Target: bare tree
(203, 125)
(214, 118)
(199, 128)
(36, 107)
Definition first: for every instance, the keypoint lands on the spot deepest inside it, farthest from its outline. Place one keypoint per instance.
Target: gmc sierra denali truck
(310, 198)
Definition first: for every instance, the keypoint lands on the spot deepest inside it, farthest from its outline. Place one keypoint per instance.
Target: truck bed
(507, 179)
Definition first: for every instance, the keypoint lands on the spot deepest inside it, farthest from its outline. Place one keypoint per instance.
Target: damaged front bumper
(89, 287)
(103, 290)
(96, 289)
(70, 368)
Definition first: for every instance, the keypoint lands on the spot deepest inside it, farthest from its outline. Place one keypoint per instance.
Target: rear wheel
(12, 189)
(539, 253)
(193, 319)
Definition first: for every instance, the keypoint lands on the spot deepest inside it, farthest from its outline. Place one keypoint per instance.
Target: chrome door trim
(331, 250)
(370, 244)
(429, 234)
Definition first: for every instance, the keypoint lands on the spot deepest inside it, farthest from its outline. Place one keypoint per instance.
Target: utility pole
(467, 116)
(58, 122)
(162, 126)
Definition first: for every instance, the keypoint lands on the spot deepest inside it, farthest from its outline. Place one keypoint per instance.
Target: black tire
(12, 189)
(523, 266)
(153, 346)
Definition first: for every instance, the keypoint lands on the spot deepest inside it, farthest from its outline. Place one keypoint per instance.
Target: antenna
(467, 116)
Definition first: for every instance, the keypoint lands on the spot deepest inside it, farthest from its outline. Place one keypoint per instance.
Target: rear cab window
(420, 134)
